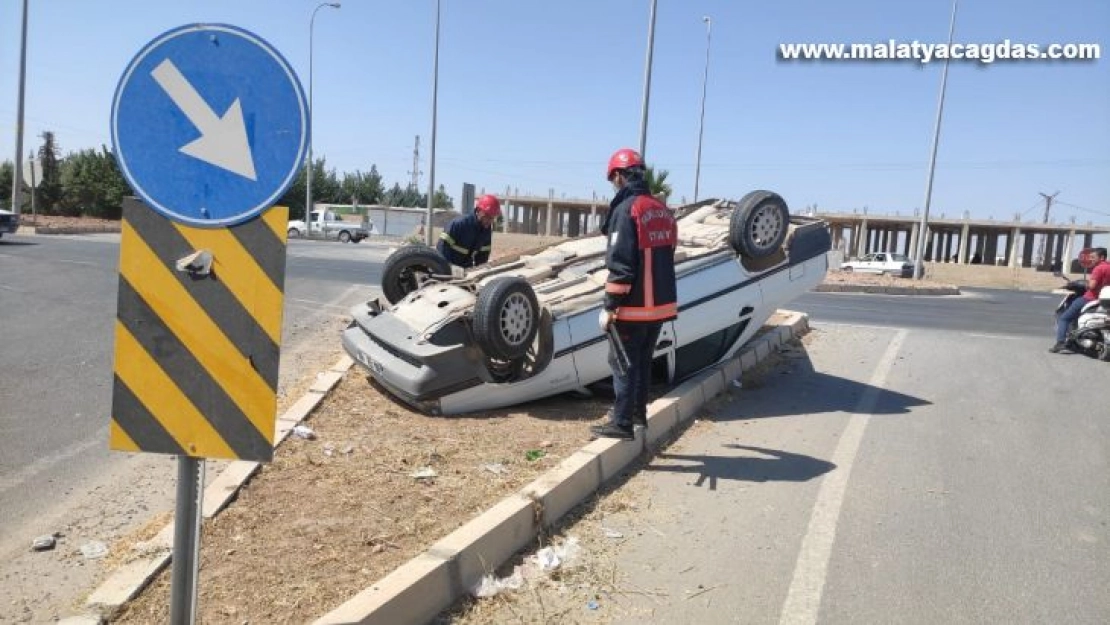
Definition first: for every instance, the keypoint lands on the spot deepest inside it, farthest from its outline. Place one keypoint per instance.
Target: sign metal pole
(186, 541)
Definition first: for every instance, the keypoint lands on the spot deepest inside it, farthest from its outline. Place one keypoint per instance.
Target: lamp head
(334, 5)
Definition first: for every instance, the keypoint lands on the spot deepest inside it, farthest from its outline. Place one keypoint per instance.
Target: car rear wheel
(293, 233)
(344, 236)
(758, 225)
(408, 268)
(847, 269)
(506, 318)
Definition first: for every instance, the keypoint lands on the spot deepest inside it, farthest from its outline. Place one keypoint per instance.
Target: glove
(605, 319)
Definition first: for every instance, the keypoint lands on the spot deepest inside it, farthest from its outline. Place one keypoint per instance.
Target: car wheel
(293, 233)
(408, 268)
(506, 317)
(344, 236)
(759, 223)
(1102, 349)
(847, 269)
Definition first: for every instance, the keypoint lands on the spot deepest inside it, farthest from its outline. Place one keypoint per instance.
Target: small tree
(657, 183)
(6, 184)
(49, 191)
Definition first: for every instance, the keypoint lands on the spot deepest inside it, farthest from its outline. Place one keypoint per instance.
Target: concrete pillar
(1067, 251)
(550, 211)
(965, 234)
(1027, 254)
(991, 251)
(593, 223)
(1015, 237)
(1088, 240)
(574, 225)
(947, 246)
(914, 231)
(1059, 255)
(861, 247)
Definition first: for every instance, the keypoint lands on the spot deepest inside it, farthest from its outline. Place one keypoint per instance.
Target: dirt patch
(332, 515)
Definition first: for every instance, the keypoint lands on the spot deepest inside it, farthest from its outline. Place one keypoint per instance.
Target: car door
(878, 262)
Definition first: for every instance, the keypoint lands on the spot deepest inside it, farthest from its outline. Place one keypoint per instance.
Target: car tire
(293, 233)
(759, 224)
(406, 270)
(847, 269)
(344, 236)
(506, 317)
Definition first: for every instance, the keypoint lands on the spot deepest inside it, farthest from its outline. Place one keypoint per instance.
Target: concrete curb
(152, 556)
(886, 290)
(431, 582)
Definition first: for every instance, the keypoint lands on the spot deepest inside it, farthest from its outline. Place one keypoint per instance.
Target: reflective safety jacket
(642, 235)
(464, 242)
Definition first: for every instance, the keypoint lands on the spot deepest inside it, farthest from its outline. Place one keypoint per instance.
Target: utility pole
(1044, 237)
(415, 173)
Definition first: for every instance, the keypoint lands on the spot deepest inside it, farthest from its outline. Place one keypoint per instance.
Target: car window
(880, 257)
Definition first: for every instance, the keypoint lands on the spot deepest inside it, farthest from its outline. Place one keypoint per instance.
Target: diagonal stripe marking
(195, 382)
(211, 294)
(236, 268)
(200, 336)
(151, 386)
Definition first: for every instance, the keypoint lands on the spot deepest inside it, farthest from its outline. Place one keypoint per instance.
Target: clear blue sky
(536, 95)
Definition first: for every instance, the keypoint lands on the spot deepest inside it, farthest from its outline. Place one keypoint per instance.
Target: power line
(1087, 210)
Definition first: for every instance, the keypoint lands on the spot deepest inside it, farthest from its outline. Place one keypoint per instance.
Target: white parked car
(526, 327)
(881, 263)
(330, 226)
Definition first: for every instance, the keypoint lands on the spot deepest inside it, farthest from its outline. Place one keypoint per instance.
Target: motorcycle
(1090, 333)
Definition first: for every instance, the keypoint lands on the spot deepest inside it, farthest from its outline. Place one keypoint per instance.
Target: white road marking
(803, 600)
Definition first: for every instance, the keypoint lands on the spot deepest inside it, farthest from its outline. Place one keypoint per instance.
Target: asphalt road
(57, 315)
(886, 475)
(982, 311)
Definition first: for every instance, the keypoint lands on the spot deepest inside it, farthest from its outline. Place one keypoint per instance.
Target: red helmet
(623, 159)
(488, 205)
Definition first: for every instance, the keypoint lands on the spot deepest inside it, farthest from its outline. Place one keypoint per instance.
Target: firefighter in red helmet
(641, 291)
(468, 240)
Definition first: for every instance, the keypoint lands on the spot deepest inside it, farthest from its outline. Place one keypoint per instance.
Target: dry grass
(330, 516)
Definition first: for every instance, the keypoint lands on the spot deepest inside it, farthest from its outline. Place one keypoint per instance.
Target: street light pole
(923, 230)
(701, 121)
(17, 171)
(432, 157)
(311, 130)
(647, 81)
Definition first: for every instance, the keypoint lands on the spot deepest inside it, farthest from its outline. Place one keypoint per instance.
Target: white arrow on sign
(223, 140)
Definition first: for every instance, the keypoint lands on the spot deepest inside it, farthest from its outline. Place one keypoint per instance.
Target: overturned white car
(526, 327)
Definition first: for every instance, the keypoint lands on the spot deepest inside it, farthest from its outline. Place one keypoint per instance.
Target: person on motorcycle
(1096, 280)
(468, 240)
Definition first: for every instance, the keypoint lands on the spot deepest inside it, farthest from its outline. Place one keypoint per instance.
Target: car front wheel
(293, 233)
(506, 317)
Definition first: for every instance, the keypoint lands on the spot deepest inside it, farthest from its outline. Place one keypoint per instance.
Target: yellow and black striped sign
(197, 353)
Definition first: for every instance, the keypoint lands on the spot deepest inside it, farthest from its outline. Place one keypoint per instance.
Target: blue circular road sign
(209, 125)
